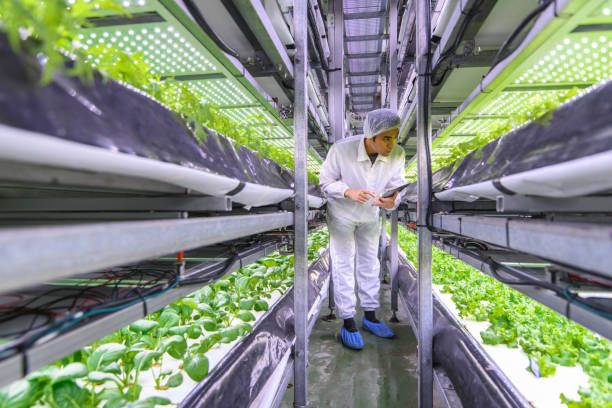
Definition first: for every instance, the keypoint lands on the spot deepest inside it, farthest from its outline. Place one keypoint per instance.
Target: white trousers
(352, 241)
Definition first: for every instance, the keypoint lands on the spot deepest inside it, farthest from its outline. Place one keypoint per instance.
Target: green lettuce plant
(49, 29)
(518, 321)
(538, 108)
(108, 372)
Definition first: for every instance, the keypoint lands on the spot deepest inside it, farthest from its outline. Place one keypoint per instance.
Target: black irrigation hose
(201, 21)
(533, 14)
(453, 48)
(524, 279)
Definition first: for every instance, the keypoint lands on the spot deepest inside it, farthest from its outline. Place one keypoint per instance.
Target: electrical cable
(27, 338)
(580, 302)
(201, 21)
(75, 318)
(453, 48)
(518, 29)
(524, 279)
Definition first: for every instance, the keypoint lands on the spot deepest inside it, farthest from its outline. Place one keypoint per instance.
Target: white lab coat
(354, 227)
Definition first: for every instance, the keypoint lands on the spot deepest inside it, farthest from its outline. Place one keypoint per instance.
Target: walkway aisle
(381, 375)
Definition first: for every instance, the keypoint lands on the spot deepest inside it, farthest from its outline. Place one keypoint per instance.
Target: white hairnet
(380, 120)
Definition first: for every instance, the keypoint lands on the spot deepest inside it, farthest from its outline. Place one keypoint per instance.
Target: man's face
(385, 141)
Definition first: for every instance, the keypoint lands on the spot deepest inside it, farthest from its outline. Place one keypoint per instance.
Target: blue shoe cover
(351, 340)
(378, 329)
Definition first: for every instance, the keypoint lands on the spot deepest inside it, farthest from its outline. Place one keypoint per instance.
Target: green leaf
(169, 319)
(100, 377)
(196, 367)
(105, 354)
(143, 326)
(69, 372)
(245, 316)
(133, 392)
(207, 343)
(244, 328)
(67, 394)
(157, 401)
(206, 310)
(179, 330)
(175, 346)
(148, 341)
(208, 324)
(242, 283)
(192, 304)
(194, 332)
(247, 304)
(175, 380)
(144, 359)
(110, 394)
(230, 333)
(222, 299)
(113, 368)
(222, 284)
(205, 293)
(20, 394)
(261, 305)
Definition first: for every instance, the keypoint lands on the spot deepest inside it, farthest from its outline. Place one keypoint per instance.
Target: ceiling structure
(365, 24)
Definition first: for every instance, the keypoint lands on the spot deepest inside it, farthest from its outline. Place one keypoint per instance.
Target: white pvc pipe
(587, 175)
(24, 146)
(444, 17)
(19, 145)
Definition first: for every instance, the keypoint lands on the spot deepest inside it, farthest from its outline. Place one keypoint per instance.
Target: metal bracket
(287, 246)
(526, 204)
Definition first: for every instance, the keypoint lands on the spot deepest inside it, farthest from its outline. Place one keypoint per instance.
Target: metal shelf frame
(533, 245)
(583, 245)
(60, 251)
(47, 352)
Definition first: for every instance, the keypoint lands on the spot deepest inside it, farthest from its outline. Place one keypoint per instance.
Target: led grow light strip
(172, 50)
(573, 55)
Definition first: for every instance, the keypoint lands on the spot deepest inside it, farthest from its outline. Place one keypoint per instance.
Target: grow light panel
(574, 51)
(174, 47)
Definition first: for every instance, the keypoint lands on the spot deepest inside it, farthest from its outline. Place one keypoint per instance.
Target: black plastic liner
(577, 129)
(478, 381)
(112, 116)
(244, 371)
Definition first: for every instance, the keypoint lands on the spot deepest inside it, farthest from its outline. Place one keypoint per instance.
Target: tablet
(391, 192)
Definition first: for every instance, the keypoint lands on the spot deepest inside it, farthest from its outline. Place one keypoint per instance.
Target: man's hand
(360, 195)
(386, 202)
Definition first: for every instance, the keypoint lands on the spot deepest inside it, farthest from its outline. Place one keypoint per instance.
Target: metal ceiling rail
(96, 246)
(367, 37)
(47, 352)
(365, 15)
(364, 55)
(365, 85)
(363, 73)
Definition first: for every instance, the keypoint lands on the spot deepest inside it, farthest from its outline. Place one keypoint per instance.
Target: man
(355, 173)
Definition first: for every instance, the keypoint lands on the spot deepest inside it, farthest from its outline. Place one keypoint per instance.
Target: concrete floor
(383, 374)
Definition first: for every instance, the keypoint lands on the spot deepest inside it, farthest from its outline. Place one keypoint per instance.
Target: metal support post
(330, 297)
(393, 10)
(382, 247)
(336, 78)
(393, 256)
(300, 123)
(425, 324)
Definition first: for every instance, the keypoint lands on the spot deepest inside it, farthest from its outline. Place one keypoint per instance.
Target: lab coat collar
(362, 155)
